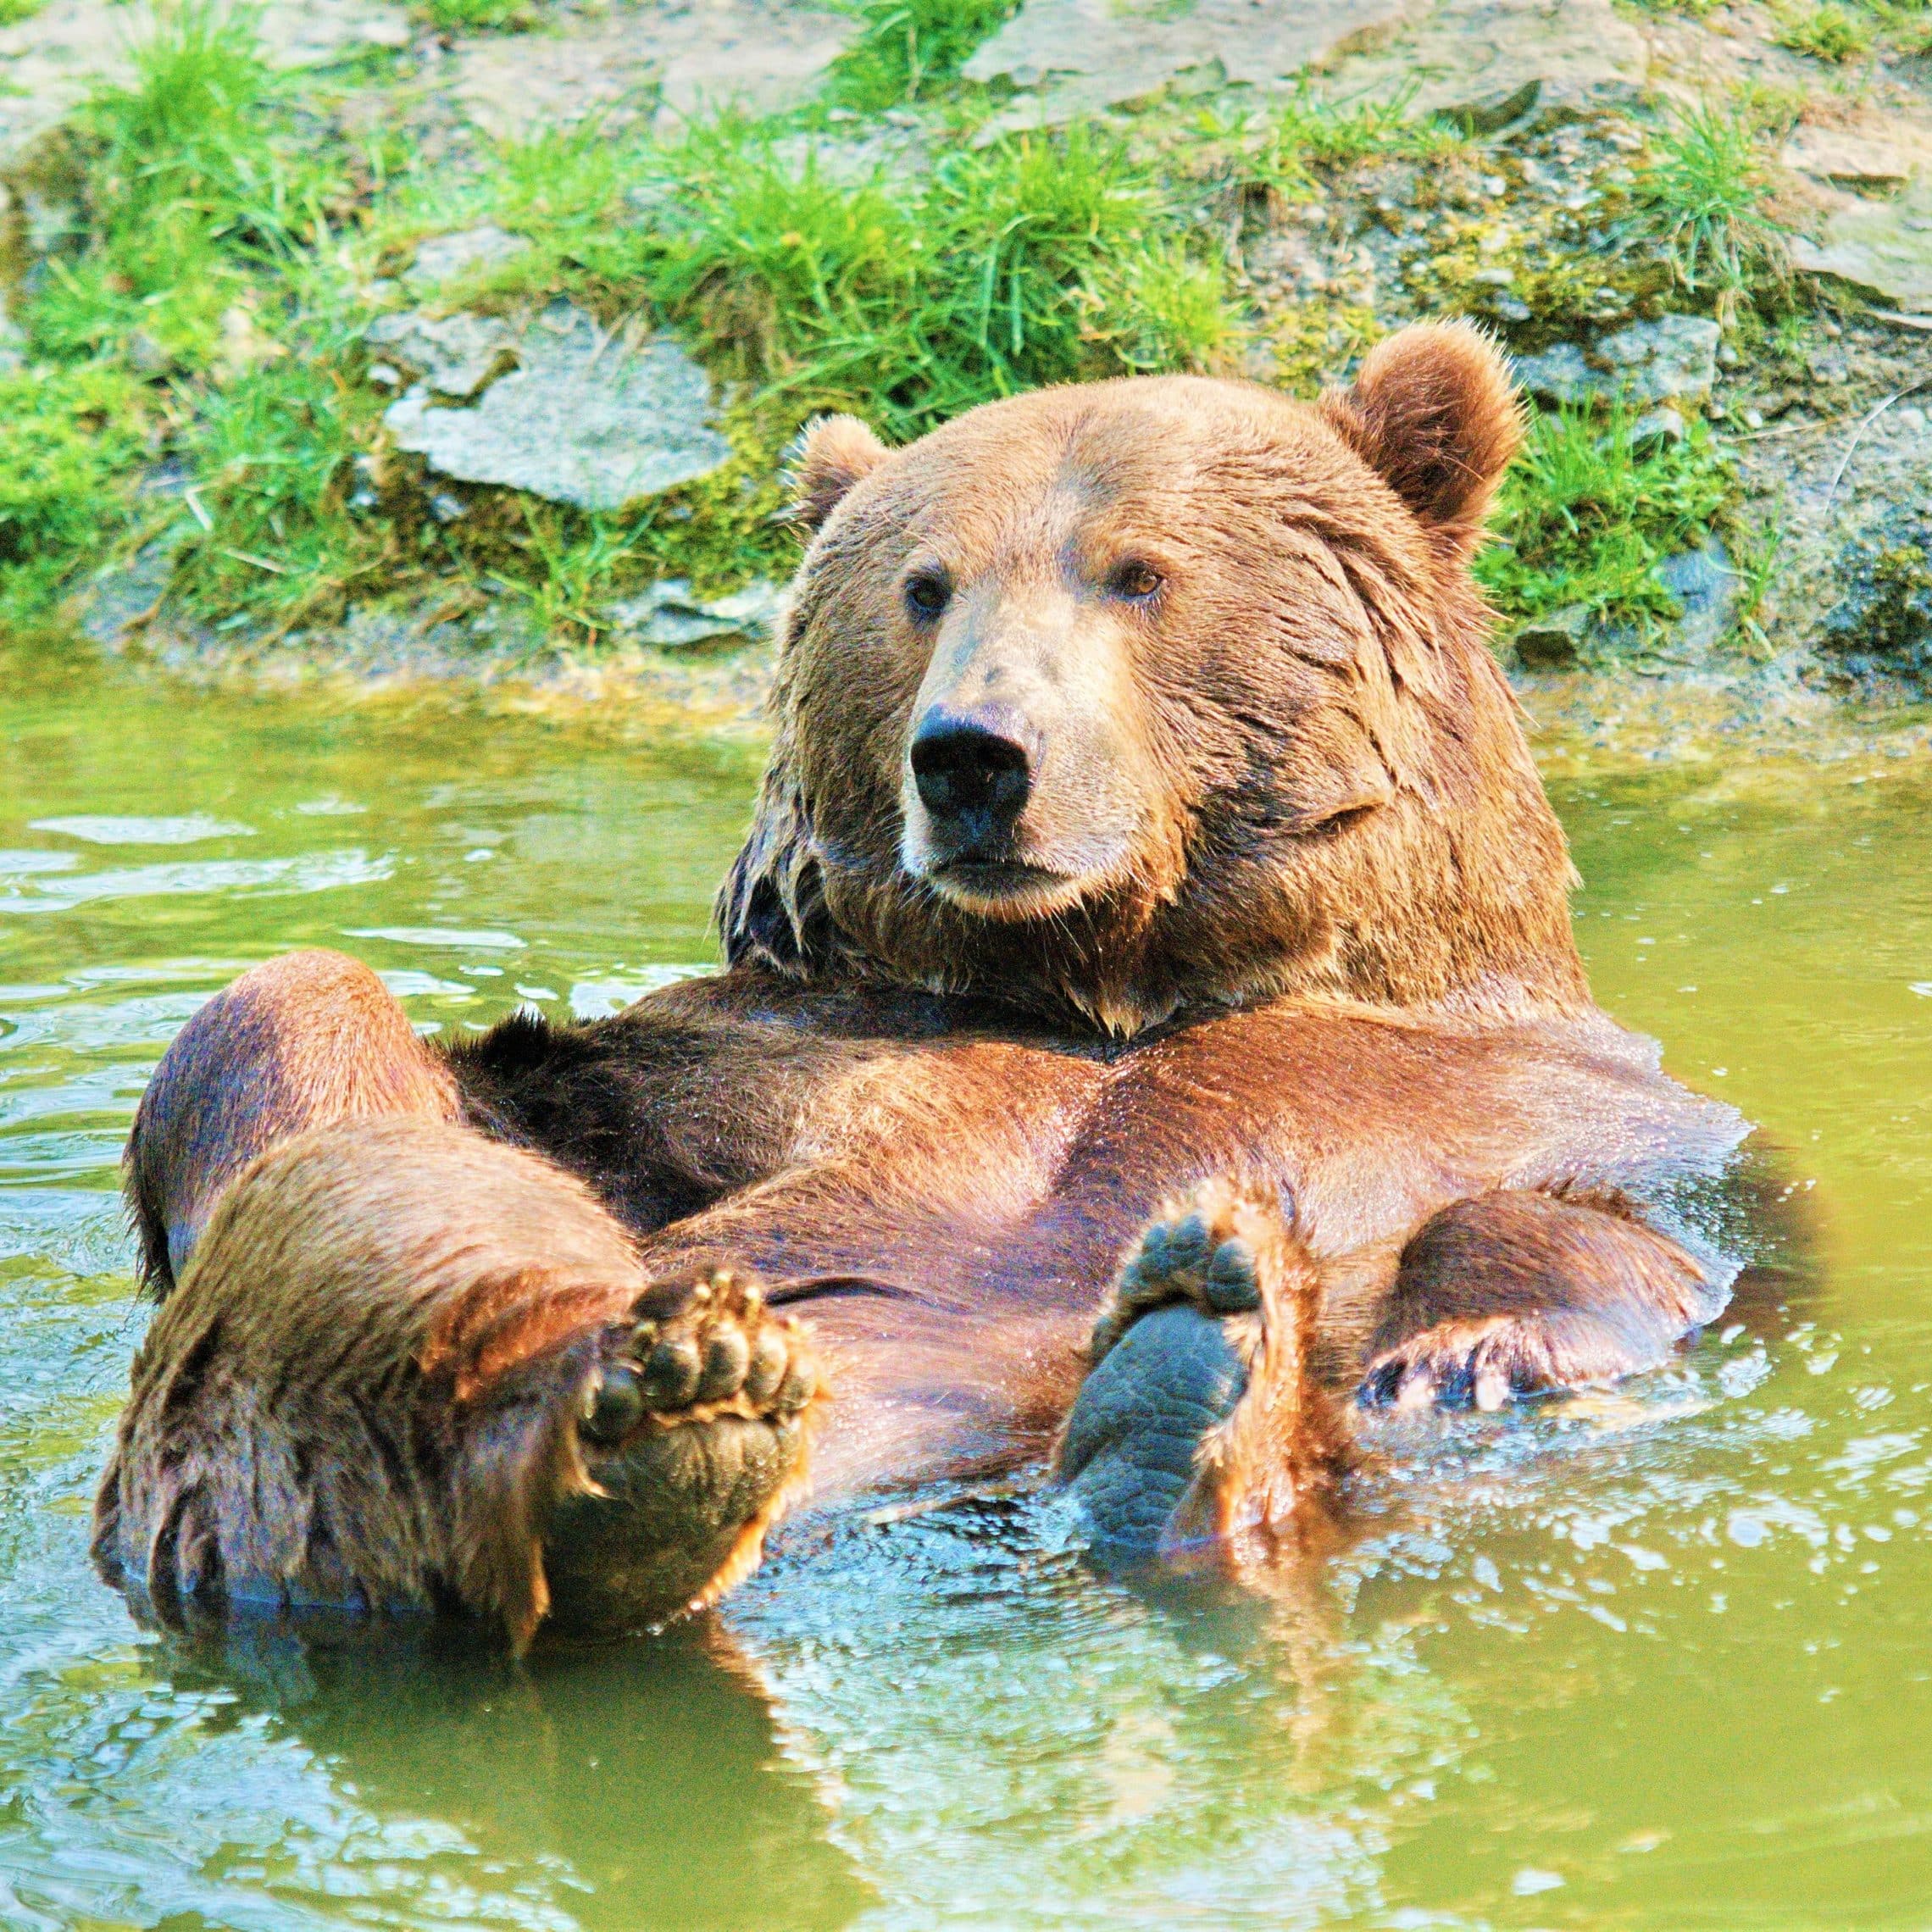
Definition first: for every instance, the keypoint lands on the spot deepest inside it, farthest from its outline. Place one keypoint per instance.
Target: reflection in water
(593, 1764)
(1654, 1658)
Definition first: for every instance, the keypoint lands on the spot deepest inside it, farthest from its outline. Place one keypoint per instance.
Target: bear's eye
(927, 595)
(1136, 580)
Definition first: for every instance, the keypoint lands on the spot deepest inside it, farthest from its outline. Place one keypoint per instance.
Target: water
(1656, 1659)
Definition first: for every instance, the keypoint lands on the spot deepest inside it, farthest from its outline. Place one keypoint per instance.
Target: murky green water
(1656, 1661)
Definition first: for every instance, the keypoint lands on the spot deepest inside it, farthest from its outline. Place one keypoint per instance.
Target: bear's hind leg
(1200, 1419)
(302, 1041)
(411, 1369)
(1521, 1293)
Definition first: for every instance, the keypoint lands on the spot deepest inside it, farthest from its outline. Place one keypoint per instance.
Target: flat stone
(52, 60)
(1881, 247)
(592, 418)
(1486, 63)
(1849, 160)
(668, 616)
(1659, 429)
(443, 257)
(676, 61)
(1074, 56)
(1673, 359)
(1704, 582)
(453, 356)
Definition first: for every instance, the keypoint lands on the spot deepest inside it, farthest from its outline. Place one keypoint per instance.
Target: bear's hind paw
(1198, 1420)
(692, 1426)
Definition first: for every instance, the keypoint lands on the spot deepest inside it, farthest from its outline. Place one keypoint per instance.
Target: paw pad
(1186, 1258)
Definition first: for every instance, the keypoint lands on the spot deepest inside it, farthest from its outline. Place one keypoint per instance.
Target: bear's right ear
(831, 454)
(1434, 414)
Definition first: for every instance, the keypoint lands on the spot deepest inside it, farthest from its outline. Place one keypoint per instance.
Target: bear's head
(1116, 700)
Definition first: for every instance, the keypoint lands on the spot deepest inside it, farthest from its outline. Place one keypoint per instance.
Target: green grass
(1042, 257)
(69, 439)
(1583, 521)
(1704, 188)
(906, 50)
(213, 307)
(204, 195)
(479, 16)
(1037, 258)
(1830, 32)
(189, 195)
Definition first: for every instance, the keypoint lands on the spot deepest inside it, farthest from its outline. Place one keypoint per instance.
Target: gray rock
(1554, 642)
(1882, 624)
(1847, 159)
(1073, 57)
(1705, 584)
(668, 616)
(1883, 248)
(1487, 63)
(443, 257)
(1674, 359)
(663, 58)
(452, 356)
(1661, 429)
(594, 419)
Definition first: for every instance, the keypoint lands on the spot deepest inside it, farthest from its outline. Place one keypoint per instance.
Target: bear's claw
(1490, 1361)
(689, 1358)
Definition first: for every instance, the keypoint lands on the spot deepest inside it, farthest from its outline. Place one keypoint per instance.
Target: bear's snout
(973, 774)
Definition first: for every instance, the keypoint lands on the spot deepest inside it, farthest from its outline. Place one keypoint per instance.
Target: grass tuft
(1705, 188)
(1584, 520)
(1829, 32)
(906, 50)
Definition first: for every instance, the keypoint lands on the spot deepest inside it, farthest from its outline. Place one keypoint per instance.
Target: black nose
(972, 769)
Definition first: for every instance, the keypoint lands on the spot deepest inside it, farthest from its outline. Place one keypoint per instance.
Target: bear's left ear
(831, 453)
(1434, 414)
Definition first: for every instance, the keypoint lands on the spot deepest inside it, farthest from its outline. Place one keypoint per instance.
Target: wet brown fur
(1308, 926)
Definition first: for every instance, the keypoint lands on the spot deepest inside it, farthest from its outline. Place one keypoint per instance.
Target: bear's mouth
(1002, 888)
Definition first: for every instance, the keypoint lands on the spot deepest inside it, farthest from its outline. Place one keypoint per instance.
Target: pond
(1658, 1658)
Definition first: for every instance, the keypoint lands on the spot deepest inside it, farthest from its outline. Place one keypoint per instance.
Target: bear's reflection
(646, 1782)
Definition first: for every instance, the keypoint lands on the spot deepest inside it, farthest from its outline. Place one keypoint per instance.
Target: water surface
(1657, 1660)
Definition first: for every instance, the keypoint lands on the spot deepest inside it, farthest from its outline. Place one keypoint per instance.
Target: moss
(1541, 274)
(1883, 624)
(480, 16)
(1314, 344)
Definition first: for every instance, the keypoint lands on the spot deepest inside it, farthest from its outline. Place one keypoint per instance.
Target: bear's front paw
(1197, 1418)
(1487, 1361)
(692, 1425)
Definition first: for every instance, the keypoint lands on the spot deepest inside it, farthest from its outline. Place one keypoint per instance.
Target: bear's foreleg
(407, 1370)
(1520, 1293)
(302, 1041)
(1200, 1421)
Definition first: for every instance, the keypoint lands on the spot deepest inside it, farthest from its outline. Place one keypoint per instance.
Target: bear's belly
(957, 1208)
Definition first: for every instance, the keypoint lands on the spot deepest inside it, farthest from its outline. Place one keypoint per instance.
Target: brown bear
(1151, 1010)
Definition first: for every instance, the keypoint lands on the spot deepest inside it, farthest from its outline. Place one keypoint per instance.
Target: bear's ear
(831, 453)
(1434, 414)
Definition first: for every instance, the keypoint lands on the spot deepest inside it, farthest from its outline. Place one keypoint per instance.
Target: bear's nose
(972, 770)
